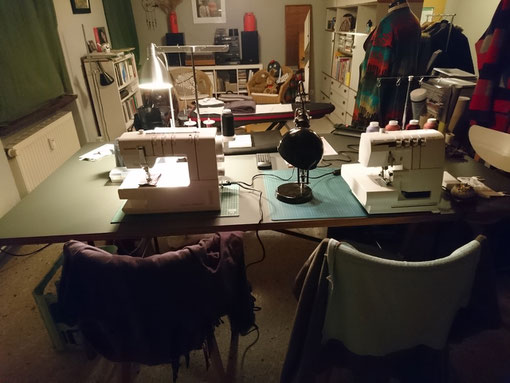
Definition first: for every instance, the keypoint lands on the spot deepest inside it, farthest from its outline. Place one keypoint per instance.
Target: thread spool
(418, 102)
(392, 126)
(431, 124)
(227, 124)
(413, 125)
(373, 127)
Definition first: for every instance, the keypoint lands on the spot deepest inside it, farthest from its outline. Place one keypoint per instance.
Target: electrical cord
(257, 233)
(258, 175)
(256, 329)
(335, 172)
(27, 254)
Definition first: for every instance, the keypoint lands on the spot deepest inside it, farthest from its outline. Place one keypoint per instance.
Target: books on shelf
(129, 107)
(341, 66)
(124, 71)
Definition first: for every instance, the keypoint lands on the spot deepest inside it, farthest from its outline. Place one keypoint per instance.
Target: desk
(78, 202)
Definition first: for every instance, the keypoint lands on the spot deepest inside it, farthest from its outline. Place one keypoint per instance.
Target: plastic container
(227, 124)
(63, 337)
(373, 127)
(172, 20)
(392, 126)
(431, 124)
(250, 24)
(413, 125)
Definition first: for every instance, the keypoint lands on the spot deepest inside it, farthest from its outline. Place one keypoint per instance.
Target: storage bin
(63, 337)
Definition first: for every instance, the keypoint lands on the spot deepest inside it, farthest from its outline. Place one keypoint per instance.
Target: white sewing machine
(399, 171)
(177, 170)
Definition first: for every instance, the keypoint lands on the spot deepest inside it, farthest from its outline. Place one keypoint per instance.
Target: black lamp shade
(302, 148)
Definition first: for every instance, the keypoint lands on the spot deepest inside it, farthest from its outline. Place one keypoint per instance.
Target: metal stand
(296, 192)
(192, 49)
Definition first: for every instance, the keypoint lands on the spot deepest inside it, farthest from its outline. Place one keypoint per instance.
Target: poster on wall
(208, 11)
(100, 37)
(80, 6)
(426, 14)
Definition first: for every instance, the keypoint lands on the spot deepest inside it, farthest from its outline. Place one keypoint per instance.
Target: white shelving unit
(344, 52)
(115, 104)
(229, 78)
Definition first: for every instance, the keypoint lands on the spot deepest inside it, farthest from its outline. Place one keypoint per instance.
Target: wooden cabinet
(115, 103)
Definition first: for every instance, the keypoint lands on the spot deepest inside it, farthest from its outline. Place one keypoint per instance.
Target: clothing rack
(443, 16)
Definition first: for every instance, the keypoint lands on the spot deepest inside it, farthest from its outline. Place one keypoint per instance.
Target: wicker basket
(266, 98)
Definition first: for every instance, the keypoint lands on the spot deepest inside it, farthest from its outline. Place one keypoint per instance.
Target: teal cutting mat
(229, 201)
(332, 197)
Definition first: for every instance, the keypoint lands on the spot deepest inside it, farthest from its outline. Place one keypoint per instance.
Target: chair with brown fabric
(157, 309)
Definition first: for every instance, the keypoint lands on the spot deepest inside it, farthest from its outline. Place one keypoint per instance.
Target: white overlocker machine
(398, 171)
(171, 170)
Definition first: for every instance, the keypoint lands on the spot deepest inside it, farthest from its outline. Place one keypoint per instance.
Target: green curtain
(32, 66)
(121, 25)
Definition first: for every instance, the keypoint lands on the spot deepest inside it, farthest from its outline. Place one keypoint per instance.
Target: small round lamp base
(294, 193)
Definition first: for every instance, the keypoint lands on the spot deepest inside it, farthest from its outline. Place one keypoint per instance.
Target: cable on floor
(257, 233)
(26, 254)
(256, 329)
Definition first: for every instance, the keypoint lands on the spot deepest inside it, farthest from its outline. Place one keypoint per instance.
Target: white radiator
(37, 151)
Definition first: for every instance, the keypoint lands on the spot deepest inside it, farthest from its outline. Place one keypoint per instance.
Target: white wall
(73, 45)
(474, 16)
(9, 195)
(270, 16)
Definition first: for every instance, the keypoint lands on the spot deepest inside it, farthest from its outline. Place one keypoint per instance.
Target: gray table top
(78, 202)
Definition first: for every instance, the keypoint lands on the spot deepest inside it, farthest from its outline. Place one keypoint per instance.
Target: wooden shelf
(114, 113)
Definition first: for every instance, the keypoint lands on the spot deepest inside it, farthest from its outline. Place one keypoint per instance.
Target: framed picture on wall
(208, 11)
(80, 6)
(427, 14)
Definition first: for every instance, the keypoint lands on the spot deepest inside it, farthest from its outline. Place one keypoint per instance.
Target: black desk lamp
(302, 148)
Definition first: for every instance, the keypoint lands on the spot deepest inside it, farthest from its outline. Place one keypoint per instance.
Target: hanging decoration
(169, 6)
(149, 7)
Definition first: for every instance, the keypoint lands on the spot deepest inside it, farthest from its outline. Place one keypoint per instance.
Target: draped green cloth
(121, 25)
(32, 66)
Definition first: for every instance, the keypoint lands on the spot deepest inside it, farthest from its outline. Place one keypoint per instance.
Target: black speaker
(173, 58)
(250, 47)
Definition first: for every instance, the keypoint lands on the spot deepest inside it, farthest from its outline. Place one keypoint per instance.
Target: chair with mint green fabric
(377, 306)
(379, 318)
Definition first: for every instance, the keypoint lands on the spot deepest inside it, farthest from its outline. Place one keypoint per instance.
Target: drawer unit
(340, 89)
(340, 111)
(338, 99)
(325, 84)
(351, 101)
(336, 119)
(324, 98)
